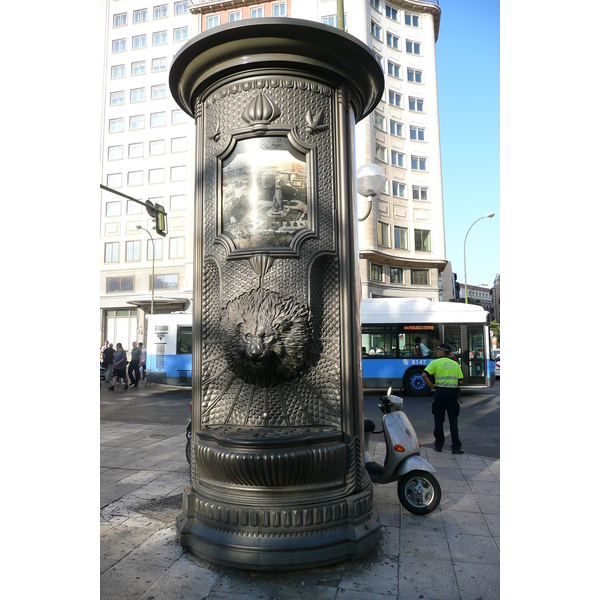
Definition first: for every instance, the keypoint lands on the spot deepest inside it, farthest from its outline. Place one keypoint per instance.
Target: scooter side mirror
(389, 392)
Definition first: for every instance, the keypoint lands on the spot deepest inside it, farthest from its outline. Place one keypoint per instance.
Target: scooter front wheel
(419, 492)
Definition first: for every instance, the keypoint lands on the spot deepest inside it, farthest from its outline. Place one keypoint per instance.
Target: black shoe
(112, 388)
(134, 385)
(459, 451)
(125, 387)
(437, 449)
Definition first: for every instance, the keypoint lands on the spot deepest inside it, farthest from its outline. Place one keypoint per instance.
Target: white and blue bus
(400, 337)
(169, 349)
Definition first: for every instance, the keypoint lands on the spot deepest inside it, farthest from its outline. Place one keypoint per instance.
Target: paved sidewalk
(452, 554)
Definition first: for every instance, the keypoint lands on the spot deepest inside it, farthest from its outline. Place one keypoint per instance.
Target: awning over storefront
(160, 301)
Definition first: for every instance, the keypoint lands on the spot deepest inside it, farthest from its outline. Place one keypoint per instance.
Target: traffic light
(161, 220)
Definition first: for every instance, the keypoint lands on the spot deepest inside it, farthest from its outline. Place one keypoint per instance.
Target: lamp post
(153, 255)
(370, 180)
(488, 216)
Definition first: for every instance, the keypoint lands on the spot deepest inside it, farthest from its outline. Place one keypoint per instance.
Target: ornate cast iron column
(277, 469)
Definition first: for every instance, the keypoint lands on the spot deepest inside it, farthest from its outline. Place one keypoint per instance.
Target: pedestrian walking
(143, 360)
(134, 365)
(107, 362)
(448, 376)
(119, 367)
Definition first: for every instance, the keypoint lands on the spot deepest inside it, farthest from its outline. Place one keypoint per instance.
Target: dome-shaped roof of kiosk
(253, 47)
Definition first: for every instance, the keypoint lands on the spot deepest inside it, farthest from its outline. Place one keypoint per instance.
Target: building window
(135, 178)
(115, 125)
(419, 277)
(111, 252)
(138, 42)
(396, 275)
(179, 144)
(156, 175)
(395, 99)
(180, 34)
(413, 47)
(376, 272)
(157, 147)
(115, 152)
(119, 284)
(159, 64)
(376, 4)
(178, 116)
(157, 246)
(396, 128)
(419, 192)
(140, 16)
(417, 133)
(414, 75)
(177, 247)
(133, 250)
(383, 234)
(400, 238)
(165, 282)
(393, 69)
(257, 13)
(178, 173)
(138, 95)
(393, 41)
(136, 150)
(159, 91)
(391, 13)
(181, 7)
(158, 119)
(410, 19)
(117, 72)
(418, 163)
(114, 180)
(416, 104)
(119, 45)
(178, 202)
(159, 37)
(133, 208)
(138, 68)
(397, 159)
(398, 189)
(136, 122)
(120, 20)
(113, 209)
(117, 98)
(332, 20)
(161, 12)
(278, 9)
(381, 153)
(376, 31)
(379, 120)
(422, 242)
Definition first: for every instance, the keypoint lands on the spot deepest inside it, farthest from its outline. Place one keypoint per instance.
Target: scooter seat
(369, 426)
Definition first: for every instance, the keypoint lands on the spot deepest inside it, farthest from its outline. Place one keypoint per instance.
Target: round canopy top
(279, 44)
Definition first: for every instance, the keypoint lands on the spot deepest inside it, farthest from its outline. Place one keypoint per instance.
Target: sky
(468, 75)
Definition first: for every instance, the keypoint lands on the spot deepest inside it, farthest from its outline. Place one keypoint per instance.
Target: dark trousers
(134, 371)
(445, 401)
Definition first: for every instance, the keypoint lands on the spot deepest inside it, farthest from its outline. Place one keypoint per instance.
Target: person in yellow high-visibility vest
(448, 376)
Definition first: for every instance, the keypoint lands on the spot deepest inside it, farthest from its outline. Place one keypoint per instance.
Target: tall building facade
(147, 151)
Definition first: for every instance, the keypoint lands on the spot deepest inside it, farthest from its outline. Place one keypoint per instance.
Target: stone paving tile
(459, 501)
(484, 488)
(359, 595)
(113, 491)
(489, 504)
(109, 476)
(472, 523)
(161, 549)
(378, 577)
(431, 522)
(473, 549)
(478, 582)
(427, 579)
(480, 475)
(127, 581)
(493, 522)
(425, 545)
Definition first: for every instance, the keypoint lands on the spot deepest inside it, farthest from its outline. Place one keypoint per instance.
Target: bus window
(184, 340)
(418, 341)
(378, 340)
(476, 347)
(452, 337)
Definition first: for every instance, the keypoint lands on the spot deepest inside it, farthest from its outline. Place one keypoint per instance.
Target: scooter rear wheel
(419, 492)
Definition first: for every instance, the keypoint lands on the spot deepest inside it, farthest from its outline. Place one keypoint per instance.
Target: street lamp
(153, 255)
(488, 216)
(370, 180)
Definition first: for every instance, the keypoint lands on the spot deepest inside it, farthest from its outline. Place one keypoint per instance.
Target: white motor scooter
(418, 489)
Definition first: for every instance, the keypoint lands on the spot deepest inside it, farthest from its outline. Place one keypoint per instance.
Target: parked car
(497, 367)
